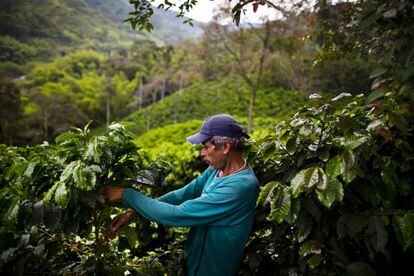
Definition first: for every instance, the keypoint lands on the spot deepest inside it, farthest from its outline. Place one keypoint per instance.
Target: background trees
(11, 109)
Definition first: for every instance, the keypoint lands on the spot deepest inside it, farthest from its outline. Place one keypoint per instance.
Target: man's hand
(113, 194)
(120, 221)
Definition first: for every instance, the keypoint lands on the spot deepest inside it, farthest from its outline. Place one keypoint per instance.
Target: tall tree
(10, 111)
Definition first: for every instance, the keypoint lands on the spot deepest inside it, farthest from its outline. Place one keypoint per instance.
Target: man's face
(214, 156)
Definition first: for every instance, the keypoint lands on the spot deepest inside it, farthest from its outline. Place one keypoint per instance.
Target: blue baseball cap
(218, 125)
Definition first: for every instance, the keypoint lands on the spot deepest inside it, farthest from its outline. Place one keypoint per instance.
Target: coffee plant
(53, 216)
(337, 195)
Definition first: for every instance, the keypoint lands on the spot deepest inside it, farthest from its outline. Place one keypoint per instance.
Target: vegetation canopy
(327, 93)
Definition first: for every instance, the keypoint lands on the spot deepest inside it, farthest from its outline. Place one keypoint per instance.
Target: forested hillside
(40, 30)
(208, 98)
(249, 66)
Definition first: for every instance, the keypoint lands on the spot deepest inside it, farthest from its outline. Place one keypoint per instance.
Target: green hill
(228, 95)
(175, 134)
(43, 29)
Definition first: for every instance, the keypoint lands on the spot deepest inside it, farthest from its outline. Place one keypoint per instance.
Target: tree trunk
(108, 110)
(251, 105)
(177, 100)
(45, 125)
(258, 82)
(322, 15)
(140, 92)
(164, 86)
(148, 121)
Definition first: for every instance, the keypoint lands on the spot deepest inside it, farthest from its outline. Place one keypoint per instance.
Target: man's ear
(226, 148)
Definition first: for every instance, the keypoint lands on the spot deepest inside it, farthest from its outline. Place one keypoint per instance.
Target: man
(218, 205)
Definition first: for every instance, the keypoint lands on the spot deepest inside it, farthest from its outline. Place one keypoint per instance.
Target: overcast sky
(204, 11)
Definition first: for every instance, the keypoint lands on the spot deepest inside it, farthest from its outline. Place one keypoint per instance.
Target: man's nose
(202, 153)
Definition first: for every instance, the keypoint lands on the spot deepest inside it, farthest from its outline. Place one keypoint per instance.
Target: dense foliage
(217, 97)
(53, 216)
(336, 191)
(337, 180)
(336, 196)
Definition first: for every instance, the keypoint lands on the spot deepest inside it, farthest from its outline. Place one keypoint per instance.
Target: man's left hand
(113, 194)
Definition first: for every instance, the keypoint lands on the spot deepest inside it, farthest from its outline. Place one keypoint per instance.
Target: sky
(204, 11)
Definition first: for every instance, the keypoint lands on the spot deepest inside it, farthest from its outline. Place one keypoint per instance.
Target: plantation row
(336, 197)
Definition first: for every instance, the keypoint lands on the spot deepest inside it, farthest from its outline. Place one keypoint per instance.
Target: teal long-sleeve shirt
(220, 212)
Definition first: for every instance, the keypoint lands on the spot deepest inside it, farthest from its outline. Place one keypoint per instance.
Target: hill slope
(201, 100)
(43, 29)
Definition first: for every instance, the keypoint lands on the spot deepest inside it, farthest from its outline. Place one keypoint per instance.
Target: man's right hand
(120, 221)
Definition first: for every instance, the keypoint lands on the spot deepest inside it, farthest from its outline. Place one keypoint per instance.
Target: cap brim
(198, 138)
(245, 135)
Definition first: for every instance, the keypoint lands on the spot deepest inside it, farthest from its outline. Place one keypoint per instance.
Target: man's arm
(192, 190)
(203, 210)
(189, 191)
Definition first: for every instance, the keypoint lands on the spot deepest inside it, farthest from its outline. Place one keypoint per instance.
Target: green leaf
(267, 193)
(131, 236)
(293, 211)
(92, 151)
(66, 137)
(350, 224)
(379, 235)
(310, 247)
(10, 216)
(30, 168)
(377, 72)
(314, 261)
(359, 269)
(96, 149)
(342, 164)
(62, 195)
(335, 166)
(375, 125)
(66, 175)
(341, 96)
(116, 126)
(377, 94)
(392, 13)
(334, 191)
(349, 174)
(86, 127)
(404, 229)
(50, 193)
(323, 180)
(349, 159)
(352, 142)
(297, 182)
(280, 206)
(84, 176)
(306, 179)
(315, 96)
